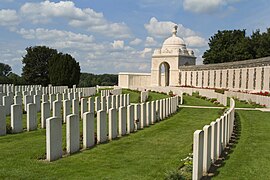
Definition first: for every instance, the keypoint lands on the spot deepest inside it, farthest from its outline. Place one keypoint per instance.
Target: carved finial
(174, 31)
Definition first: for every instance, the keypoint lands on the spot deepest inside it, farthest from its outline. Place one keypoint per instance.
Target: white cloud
(135, 42)
(55, 35)
(195, 41)
(163, 29)
(150, 41)
(146, 52)
(206, 6)
(43, 12)
(118, 44)
(8, 17)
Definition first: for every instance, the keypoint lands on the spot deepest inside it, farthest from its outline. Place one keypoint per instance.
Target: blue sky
(111, 36)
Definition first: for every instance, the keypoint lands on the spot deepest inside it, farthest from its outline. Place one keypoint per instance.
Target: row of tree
(234, 45)
(44, 65)
(90, 80)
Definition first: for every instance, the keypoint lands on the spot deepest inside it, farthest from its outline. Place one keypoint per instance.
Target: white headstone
(130, 119)
(75, 106)
(31, 117)
(84, 107)
(73, 133)
(16, 118)
(57, 109)
(112, 123)
(88, 130)
(45, 113)
(198, 140)
(66, 109)
(122, 121)
(101, 126)
(53, 138)
(2, 121)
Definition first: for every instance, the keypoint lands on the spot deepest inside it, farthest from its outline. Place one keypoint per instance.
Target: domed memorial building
(165, 65)
(174, 65)
(173, 54)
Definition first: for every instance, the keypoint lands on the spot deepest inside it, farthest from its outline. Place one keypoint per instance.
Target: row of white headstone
(209, 143)
(130, 118)
(69, 102)
(109, 92)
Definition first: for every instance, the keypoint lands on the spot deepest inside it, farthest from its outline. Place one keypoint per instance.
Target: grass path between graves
(194, 101)
(135, 95)
(146, 154)
(250, 158)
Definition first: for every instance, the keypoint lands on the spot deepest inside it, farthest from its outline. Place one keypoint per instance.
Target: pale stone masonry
(207, 148)
(130, 119)
(91, 105)
(198, 155)
(84, 106)
(53, 138)
(143, 115)
(66, 109)
(75, 106)
(213, 141)
(45, 113)
(16, 118)
(101, 126)
(137, 115)
(88, 130)
(122, 121)
(31, 117)
(73, 133)
(112, 124)
(57, 109)
(2, 121)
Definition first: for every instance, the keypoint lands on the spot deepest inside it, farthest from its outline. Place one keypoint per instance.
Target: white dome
(174, 41)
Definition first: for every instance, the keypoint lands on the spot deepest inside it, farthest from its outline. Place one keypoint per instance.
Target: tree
(16, 79)
(260, 43)
(5, 69)
(36, 61)
(64, 70)
(90, 80)
(228, 46)
(234, 45)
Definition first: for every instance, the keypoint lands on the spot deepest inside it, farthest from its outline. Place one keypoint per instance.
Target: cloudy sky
(111, 36)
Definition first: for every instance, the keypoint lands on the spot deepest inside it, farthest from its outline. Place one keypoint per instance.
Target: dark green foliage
(5, 69)
(36, 65)
(234, 45)
(8, 77)
(43, 65)
(64, 70)
(16, 79)
(90, 80)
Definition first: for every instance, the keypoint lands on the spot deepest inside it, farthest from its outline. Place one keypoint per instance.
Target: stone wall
(241, 75)
(126, 80)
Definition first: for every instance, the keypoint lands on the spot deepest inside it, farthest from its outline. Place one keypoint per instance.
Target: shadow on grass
(225, 155)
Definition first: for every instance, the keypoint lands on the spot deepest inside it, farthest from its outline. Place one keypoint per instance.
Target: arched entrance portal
(164, 74)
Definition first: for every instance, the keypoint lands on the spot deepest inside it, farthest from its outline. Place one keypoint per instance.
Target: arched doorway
(164, 74)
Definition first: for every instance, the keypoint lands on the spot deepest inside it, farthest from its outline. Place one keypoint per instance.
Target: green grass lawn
(250, 159)
(146, 154)
(193, 101)
(135, 96)
(245, 104)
